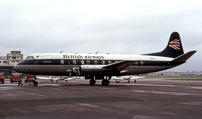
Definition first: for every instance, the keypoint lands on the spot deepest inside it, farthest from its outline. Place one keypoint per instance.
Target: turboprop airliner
(104, 66)
(128, 78)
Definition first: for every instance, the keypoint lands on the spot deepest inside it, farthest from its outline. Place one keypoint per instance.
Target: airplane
(104, 66)
(52, 78)
(72, 78)
(129, 78)
(57, 78)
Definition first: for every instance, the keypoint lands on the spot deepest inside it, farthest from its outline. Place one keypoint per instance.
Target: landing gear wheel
(35, 83)
(20, 84)
(135, 81)
(105, 82)
(92, 82)
(128, 81)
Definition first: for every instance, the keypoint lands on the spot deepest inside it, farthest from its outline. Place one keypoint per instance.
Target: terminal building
(9, 61)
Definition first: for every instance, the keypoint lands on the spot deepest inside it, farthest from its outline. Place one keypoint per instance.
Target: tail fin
(173, 49)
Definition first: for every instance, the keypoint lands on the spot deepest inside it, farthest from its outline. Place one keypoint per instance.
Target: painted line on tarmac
(193, 103)
(156, 85)
(164, 93)
(92, 106)
(49, 85)
(13, 84)
(153, 85)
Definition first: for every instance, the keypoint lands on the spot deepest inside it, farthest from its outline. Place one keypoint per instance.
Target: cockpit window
(30, 58)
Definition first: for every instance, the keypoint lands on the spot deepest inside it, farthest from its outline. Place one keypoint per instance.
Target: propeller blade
(79, 73)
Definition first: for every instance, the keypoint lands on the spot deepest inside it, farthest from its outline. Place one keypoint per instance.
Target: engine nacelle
(93, 69)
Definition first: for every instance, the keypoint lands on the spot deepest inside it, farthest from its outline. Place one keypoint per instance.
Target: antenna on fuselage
(61, 51)
(96, 52)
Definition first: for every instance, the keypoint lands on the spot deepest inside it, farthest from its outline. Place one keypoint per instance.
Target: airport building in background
(9, 61)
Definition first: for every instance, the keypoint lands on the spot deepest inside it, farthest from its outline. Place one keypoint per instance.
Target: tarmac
(148, 98)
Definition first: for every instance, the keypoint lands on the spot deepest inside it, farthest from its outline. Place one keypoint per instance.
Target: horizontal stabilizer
(184, 57)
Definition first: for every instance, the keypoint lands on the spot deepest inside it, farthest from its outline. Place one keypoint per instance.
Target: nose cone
(16, 68)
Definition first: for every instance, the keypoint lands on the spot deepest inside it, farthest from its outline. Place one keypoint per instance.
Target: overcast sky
(107, 26)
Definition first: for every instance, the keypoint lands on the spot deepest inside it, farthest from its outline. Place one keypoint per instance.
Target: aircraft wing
(59, 78)
(137, 77)
(72, 78)
(120, 65)
(43, 77)
(55, 78)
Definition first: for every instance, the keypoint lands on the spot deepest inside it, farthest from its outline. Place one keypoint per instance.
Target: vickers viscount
(104, 66)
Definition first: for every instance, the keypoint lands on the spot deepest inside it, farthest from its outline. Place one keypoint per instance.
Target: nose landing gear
(35, 83)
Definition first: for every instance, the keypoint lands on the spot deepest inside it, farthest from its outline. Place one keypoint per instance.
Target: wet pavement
(146, 99)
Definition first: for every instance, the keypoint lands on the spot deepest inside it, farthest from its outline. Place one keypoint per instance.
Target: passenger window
(141, 62)
(95, 62)
(103, 62)
(88, 61)
(74, 62)
(109, 62)
(82, 62)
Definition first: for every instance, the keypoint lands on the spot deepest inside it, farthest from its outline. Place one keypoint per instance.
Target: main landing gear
(92, 82)
(105, 82)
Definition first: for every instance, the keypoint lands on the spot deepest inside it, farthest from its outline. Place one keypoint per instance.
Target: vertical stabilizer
(173, 49)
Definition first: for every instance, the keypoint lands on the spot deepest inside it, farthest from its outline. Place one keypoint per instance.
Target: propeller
(77, 71)
(70, 72)
(74, 70)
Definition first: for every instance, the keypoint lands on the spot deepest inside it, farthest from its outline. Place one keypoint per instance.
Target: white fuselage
(91, 64)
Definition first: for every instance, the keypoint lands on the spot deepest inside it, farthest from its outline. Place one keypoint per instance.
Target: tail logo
(175, 44)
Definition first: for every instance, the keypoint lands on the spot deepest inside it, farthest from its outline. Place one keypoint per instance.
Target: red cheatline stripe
(175, 47)
(174, 44)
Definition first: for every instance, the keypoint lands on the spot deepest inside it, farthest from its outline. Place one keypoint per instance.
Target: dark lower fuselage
(55, 67)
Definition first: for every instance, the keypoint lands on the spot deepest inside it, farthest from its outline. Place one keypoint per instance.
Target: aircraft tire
(92, 82)
(35, 83)
(105, 82)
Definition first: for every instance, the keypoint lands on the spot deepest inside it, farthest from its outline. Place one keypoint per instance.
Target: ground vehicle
(16, 77)
(29, 79)
(1, 77)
